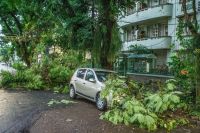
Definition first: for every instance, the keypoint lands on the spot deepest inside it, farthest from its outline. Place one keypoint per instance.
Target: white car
(88, 83)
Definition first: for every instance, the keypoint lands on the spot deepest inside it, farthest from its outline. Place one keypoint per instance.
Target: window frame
(83, 74)
(93, 74)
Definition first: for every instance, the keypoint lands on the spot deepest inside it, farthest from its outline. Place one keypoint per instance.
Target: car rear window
(81, 73)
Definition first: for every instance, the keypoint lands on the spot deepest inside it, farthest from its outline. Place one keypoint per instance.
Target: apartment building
(151, 24)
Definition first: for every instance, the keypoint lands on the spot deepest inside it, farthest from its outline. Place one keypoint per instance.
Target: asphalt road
(19, 109)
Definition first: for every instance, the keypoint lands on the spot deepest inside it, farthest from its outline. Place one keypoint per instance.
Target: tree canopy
(70, 24)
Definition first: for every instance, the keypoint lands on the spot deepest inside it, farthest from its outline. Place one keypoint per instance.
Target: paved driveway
(17, 108)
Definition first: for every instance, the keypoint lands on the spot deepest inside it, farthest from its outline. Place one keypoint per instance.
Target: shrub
(54, 72)
(33, 80)
(60, 74)
(25, 78)
(6, 78)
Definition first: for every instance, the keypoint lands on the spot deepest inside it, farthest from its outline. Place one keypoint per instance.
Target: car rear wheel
(100, 103)
(72, 93)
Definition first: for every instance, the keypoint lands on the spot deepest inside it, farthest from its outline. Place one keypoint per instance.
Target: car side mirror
(92, 80)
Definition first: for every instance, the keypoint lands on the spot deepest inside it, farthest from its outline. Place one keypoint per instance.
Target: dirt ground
(80, 117)
(83, 117)
(27, 111)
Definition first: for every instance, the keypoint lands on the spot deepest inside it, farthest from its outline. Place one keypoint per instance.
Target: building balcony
(150, 43)
(147, 14)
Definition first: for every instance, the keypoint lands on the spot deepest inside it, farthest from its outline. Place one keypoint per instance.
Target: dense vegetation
(53, 73)
(32, 28)
(134, 103)
(70, 24)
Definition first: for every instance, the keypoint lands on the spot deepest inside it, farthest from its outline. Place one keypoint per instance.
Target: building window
(129, 35)
(163, 1)
(198, 6)
(156, 30)
(164, 30)
(181, 1)
(154, 3)
(146, 31)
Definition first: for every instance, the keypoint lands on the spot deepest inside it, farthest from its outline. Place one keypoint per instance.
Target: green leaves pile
(150, 111)
(55, 102)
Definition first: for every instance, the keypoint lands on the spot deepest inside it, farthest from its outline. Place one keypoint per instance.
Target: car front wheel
(100, 103)
(72, 93)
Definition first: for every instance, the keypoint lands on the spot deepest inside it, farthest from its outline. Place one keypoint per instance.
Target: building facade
(151, 24)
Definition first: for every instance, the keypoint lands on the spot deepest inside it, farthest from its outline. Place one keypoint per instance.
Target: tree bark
(108, 22)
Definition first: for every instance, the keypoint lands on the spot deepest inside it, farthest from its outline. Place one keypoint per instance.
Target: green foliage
(6, 53)
(139, 49)
(33, 81)
(148, 110)
(61, 89)
(60, 74)
(19, 66)
(132, 111)
(22, 78)
(172, 123)
(6, 78)
(52, 73)
(118, 89)
(190, 46)
(55, 102)
(162, 101)
(184, 74)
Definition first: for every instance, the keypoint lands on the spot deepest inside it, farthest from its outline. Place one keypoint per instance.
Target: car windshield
(102, 75)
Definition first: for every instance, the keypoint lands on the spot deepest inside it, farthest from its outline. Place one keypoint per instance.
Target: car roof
(100, 70)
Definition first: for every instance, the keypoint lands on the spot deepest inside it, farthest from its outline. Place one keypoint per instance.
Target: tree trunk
(93, 32)
(108, 22)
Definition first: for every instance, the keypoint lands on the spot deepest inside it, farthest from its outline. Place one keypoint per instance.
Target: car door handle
(83, 83)
(75, 80)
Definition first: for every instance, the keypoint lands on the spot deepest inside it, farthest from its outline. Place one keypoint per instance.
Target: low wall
(148, 77)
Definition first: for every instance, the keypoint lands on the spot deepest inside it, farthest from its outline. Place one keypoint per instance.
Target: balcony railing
(132, 11)
(143, 38)
(161, 42)
(154, 12)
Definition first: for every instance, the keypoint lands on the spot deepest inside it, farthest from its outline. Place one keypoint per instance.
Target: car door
(79, 80)
(91, 85)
